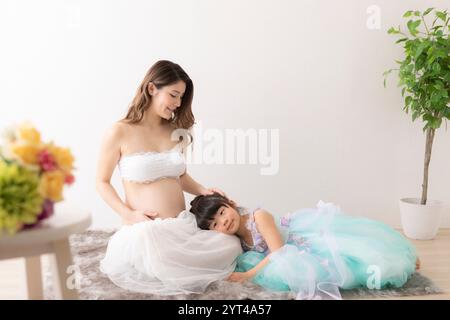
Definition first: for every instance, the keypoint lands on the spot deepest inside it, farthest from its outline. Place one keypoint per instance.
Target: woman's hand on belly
(164, 196)
(137, 216)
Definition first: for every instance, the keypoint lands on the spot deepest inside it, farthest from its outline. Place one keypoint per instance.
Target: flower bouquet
(32, 177)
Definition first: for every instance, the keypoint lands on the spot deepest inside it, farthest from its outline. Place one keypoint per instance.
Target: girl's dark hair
(205, 207)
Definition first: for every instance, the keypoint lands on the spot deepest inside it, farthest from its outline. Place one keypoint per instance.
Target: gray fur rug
(89, 247)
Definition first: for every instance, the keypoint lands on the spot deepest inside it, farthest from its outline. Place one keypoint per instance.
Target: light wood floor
(434, 255)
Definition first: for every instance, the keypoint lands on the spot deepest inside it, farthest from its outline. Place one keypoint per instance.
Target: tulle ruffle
(170, 256)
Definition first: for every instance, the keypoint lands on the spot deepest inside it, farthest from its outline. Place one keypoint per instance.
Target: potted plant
(424, 75)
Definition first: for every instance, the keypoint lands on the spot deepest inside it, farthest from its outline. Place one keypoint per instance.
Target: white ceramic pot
(420, 221)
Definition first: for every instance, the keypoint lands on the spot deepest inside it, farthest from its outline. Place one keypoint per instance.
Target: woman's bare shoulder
(121, 128)
(121, 125)
(116, 131)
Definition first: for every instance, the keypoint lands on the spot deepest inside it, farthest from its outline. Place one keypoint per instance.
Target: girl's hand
(239, 277)
(205, 192)
(137, 216)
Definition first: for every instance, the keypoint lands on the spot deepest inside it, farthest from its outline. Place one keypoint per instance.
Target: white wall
(312, 69)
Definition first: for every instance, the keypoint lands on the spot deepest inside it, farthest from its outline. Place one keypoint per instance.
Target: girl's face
(167, 99)
(226, 220)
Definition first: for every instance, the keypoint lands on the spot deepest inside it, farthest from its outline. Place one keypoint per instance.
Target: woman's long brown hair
(163, 73)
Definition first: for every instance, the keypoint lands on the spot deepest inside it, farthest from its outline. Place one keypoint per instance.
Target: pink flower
(47, 161)
(69, 179)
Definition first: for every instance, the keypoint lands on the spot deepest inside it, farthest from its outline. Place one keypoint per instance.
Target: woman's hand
(137, 216)
(205, 192)
(239, 277)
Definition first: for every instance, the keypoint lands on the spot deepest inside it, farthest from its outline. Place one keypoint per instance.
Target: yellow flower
(25, 152)
(63, 157)
(29, 134)
(52, 183)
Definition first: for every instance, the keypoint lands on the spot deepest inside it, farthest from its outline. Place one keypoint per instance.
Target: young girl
(313, 251)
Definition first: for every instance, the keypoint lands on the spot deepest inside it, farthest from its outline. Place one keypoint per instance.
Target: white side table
(51, 237)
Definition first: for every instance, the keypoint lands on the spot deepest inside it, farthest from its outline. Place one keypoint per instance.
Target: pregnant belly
(163, 196)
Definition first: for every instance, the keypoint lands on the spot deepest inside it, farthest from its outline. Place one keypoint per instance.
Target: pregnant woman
(159, 248)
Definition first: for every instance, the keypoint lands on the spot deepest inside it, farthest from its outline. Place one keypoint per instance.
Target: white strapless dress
(170, 256)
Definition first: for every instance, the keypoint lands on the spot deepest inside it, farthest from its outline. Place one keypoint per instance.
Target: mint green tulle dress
(327, 250)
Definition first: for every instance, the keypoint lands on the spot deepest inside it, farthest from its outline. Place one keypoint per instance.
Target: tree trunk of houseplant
(428, 146)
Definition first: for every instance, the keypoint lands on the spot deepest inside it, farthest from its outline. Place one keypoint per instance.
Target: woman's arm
(269, 231)
(109, 156)
(191, 186)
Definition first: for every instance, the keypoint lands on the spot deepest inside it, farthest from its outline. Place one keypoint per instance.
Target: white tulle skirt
(170, 256)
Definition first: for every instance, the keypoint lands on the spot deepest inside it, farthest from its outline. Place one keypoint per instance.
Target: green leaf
(417, 13)
(401, 40)
(441, 15)
(436, 67)
(408, 14)
(412, 26)
(436, 123)
(436, 27)
(408, 100)
(420, 49)
(438, 85)
(427, 11)
(431, 59)
(392, 30)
